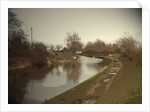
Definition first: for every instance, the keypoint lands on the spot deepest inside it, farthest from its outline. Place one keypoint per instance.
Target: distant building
(79, 52)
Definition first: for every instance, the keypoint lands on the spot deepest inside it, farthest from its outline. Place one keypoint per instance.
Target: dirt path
(105, 79)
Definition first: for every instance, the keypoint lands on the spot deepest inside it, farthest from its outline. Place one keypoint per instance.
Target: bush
(38, 54)
(131, 49)
(91, 52)
(105, 52)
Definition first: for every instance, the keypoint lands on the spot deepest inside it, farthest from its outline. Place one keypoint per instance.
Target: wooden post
(31, 36)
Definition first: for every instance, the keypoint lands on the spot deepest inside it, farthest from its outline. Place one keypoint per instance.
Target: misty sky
(51, 25)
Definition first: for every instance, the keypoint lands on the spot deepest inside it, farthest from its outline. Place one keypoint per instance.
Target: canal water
(34, 85)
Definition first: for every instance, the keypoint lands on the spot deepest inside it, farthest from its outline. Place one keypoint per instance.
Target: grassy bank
(105, 62)
(126, 88)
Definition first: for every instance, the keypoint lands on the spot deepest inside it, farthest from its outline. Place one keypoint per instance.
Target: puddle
(106, 80)
(111, 73)
(90, 101)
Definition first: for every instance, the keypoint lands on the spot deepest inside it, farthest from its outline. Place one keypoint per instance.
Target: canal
(33, 85)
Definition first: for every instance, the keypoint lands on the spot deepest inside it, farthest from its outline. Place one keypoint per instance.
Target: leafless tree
(52, 47)
(97, 46)
(58, 47)
(74, 42)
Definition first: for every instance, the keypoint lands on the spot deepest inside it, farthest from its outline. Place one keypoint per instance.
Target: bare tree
(14, 24)
(52, 47)
(127, 44)
(74, 42)
(17, 41)
(58, 47)
(97, 46)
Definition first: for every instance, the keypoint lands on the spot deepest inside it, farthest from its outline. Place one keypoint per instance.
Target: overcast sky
(51, 25)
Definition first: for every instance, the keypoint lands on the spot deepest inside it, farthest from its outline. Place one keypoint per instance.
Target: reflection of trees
(94, 66)
(58, 71)
(72, 69)
(17, 80)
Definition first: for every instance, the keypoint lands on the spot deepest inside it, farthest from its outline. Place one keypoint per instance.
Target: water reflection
(72, 69)
(34, 85)
(18, 79)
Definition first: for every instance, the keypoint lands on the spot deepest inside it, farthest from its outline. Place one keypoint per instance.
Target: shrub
(38, 54)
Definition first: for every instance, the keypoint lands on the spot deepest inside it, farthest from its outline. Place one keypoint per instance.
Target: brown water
(33, 85)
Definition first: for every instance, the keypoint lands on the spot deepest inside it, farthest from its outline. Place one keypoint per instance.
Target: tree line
(37, 52)
(18, 45)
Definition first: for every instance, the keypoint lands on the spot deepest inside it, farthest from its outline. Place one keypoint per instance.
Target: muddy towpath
(93, 90)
